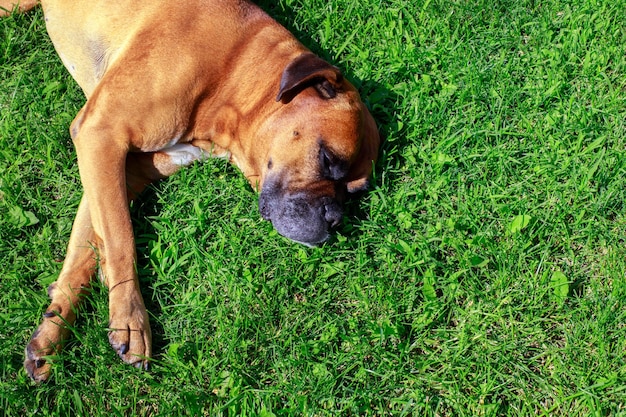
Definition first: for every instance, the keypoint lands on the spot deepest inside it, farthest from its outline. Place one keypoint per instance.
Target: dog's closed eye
(331, 166)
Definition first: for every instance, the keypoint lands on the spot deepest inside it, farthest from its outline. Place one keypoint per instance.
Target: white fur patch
(184, 154)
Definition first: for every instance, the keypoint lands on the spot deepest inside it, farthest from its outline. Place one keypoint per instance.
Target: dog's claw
(131, 340)
(37, 368)
(38, 372)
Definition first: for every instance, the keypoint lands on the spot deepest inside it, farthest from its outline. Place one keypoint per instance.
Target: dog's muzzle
(299, 216)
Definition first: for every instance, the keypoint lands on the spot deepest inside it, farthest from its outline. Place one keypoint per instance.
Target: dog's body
(169, 83)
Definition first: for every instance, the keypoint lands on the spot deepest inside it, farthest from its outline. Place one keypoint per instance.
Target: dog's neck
(234, 116)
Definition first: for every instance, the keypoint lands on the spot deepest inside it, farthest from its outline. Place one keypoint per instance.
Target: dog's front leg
(66, 293)
(102, 148)
(79, 267)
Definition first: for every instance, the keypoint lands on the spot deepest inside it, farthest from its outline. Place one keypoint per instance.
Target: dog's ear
(361, 169)
(309, 70)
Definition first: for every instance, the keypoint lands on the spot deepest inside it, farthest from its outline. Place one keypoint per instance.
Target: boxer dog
(169, 83)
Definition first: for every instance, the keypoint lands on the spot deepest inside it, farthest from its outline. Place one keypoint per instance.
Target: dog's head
(323, 145)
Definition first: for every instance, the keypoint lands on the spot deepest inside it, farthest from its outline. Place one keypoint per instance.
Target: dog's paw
(35, 364)
(130, 335)
(46, 341)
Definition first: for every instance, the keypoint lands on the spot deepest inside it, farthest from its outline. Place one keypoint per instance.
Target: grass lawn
(483, 274)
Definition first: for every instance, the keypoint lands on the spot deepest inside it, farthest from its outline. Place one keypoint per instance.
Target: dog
(170, 83)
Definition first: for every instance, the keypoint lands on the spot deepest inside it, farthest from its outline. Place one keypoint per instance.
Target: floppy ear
(358, 177)
(309, 70)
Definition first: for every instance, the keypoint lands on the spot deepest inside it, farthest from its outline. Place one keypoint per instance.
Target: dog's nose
(332, 214)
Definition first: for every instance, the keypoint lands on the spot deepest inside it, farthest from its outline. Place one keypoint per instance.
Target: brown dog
(167, 84)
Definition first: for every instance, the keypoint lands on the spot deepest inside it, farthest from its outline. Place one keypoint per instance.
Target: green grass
(484, 274)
